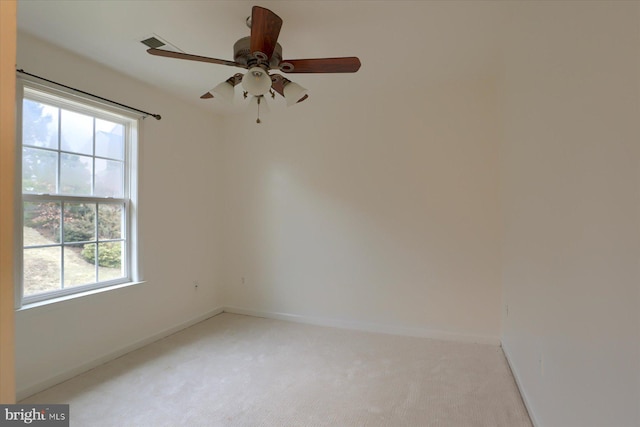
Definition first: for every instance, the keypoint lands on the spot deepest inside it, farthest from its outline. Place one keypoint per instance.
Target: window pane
(39, 171)
(75, 174)
(109, 178)
(76, 132)
(79, 222)
(41, 270)
(41, 223)
(110, 219)
(39, 124)
(109, 139)
(110, 264)
(79, 264)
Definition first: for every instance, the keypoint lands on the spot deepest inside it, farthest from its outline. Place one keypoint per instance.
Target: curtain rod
(156, 116)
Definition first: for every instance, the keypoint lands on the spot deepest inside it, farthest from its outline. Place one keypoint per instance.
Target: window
(78, 188)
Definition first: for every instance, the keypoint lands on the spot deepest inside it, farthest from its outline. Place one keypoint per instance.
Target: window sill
(66, 298)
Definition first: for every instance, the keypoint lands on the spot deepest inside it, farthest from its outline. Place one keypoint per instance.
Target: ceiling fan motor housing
(242, 54)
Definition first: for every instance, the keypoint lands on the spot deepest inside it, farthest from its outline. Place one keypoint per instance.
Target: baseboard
(523, 394)
(367, 327)
(32, 389)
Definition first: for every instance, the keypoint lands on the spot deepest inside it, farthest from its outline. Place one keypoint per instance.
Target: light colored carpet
(234, 370)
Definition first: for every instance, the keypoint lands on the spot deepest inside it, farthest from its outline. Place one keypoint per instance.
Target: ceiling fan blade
(207, 95)
(179, 55)
(265, 29)
(349, 64)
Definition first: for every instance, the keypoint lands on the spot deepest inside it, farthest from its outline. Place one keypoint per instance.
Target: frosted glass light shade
(293, 93)
(256, 81)
(224, 90)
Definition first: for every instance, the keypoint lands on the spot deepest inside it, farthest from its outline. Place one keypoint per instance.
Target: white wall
(571, 252)
(178, 225)
(378, 212)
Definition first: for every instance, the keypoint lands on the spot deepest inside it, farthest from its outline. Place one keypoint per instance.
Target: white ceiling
(399, 43)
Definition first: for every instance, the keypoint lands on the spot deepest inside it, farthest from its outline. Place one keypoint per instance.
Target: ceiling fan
(260, 53)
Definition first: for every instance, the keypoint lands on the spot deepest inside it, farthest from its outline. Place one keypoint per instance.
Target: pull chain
(258, 119)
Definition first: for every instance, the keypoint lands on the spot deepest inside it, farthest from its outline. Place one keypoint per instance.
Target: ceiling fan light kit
(224, 90)
(294, 93)
(260, 53)
(256, 81)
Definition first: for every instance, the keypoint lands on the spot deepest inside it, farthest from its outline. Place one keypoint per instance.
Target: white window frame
(69, 100)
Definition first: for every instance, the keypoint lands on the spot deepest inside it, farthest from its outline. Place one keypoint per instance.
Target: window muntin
(76, 191)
